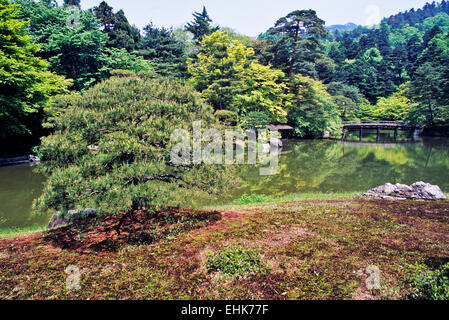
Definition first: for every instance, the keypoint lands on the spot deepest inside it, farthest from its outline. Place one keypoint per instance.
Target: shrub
(431, 284)
(255, 120)
(254, 198)
(235, 260)
(227, 117)
(111, 149)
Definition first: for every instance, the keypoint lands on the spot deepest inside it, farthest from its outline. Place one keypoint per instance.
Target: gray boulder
(418, 190)
(72, 216)
(422, 190)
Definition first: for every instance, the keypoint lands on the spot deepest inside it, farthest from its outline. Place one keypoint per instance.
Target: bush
(227, 117)
(235, 260)
(111, 149)
(255, 120)
(431, 284)
(254, 198)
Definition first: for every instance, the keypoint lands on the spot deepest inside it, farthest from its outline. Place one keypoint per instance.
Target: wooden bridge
(381, 125)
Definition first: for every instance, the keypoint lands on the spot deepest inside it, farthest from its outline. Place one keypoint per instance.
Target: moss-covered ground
(309, 249)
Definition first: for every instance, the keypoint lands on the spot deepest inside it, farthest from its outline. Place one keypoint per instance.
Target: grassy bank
(15, 232)
(297, 249)
(246, 201)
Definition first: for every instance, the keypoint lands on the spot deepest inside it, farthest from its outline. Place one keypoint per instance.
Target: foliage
(429, 86)
(263, 90)
(313, 111)
(25, 83)
(70, 40)
(227, 117)
(394, 108)
(253, 198)
(255, 120)
(200, 26)
(121, 59)
(296, 48)
(431, 284)
(235, 260)
(229, 80)
(111, 149)
(164, 50)
(120, 33)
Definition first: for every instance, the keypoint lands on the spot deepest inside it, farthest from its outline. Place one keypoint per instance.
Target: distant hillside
(342, 27)
(413, 17)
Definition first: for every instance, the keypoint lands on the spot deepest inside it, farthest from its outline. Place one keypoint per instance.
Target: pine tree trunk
(294, 50)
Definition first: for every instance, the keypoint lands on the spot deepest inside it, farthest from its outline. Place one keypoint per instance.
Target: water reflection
(19, 186)
(336, 166)
(304, 167)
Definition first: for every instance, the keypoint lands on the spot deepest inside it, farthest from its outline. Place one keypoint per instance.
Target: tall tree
(300, 28)
(430, 84)
(73, 50)
(25, 83)
(164, 50)
(229, 80)
(313, 110)
(121, 34)
(201, 25)
(72, 2)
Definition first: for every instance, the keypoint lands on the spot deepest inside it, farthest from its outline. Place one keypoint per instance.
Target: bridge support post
(396, 134)
(343, 135)
(361, 134)
(378, 134)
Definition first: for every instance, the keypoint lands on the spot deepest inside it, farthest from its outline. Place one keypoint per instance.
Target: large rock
(418, 190)
(422, 190)
(72, 216)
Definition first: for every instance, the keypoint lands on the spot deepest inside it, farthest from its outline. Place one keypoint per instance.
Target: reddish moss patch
(311, 250)
(110, 233)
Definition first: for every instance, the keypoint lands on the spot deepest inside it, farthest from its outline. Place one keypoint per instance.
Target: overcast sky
(252, 17)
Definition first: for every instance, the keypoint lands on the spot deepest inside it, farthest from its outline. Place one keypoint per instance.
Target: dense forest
(298, 72)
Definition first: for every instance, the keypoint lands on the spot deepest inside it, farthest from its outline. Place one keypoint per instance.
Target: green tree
(72, 3)
(313, 110)
(70, 39)
(217, 71)
(111, 149)
(121, 59)
(201, 25)
(25, 82)
(394, 108)
(227, 77)
(121, 34)
(299, 32)
(430, 84)
(164, 50)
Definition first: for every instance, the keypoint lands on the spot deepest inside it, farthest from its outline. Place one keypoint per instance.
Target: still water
(304, 167)
(19, 186)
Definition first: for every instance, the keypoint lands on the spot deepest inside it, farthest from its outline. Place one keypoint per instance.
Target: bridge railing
(376, 122)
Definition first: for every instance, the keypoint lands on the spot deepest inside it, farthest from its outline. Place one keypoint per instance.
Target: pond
(326, 166)
(305, 167)
(19, 186)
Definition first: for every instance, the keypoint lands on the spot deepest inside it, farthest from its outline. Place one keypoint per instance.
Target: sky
(252, 17)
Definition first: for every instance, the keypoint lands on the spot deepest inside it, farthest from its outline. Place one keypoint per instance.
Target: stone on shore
(418, 190)
(57, 220)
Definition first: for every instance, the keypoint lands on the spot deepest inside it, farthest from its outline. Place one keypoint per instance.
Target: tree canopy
(25, 83)
(111, 148)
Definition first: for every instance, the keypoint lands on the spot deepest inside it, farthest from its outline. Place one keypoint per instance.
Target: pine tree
(167, 53)
(201, 26)
(72, 3)
(121, 34)
(301, 29)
